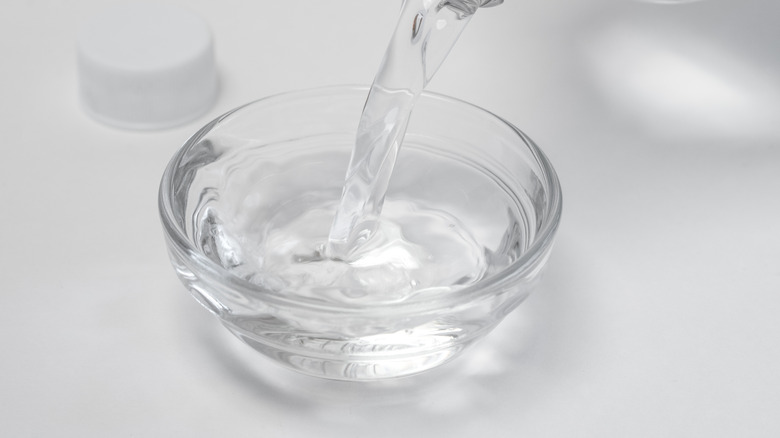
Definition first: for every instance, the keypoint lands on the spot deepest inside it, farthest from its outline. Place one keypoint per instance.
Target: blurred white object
(146, 66)
(688, 72)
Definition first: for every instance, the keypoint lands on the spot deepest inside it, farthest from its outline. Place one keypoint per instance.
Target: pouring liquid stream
(426, 32)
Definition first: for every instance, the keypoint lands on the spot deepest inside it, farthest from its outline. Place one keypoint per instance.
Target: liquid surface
(445, 225)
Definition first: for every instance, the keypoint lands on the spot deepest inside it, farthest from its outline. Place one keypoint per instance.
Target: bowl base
(351, 368)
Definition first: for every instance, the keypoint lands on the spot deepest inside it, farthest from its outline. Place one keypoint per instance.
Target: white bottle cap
(146, 66)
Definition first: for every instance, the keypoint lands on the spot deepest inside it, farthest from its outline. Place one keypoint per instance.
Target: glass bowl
(281, 160)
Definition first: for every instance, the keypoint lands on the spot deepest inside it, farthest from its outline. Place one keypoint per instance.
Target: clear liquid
(425, 33)
(264, 216)
(364, 246)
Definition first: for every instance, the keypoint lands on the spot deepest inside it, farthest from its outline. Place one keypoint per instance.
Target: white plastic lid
(146, 66)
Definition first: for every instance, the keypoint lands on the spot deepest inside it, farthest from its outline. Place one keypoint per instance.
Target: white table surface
(659, 314)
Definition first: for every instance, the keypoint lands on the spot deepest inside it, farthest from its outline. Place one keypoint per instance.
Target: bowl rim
(539, 247)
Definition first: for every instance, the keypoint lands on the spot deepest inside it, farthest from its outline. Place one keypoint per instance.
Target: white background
(658, 314)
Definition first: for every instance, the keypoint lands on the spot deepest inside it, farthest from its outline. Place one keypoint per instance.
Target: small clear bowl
(228, 184)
